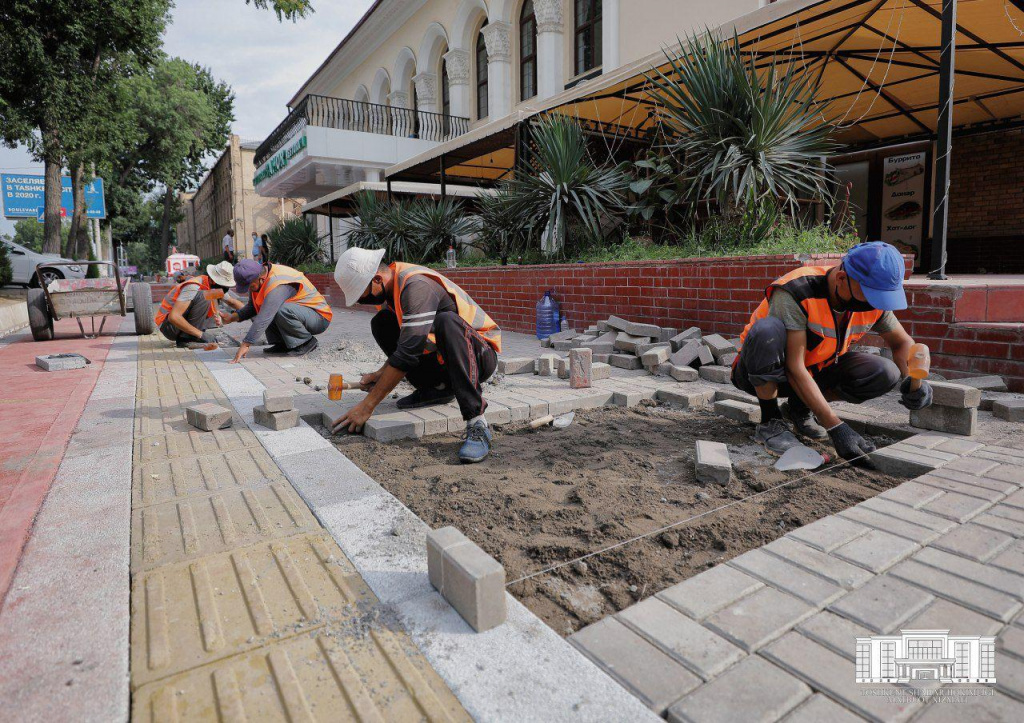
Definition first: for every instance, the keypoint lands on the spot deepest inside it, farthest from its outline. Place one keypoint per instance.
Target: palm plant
(501, 232)
(366, 229)
(745, 137)
(398, 232)
(568, 189)
(295, 242)
(438, 225)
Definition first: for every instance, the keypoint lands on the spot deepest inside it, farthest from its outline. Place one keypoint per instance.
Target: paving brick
(917, 517)
(990, 398)
(819, 563)
(957, 507)
(625, 361)
(276, 421)
(602, 344)
(710, 591)
(1012, 473)
(1001, 580)
(1010, 676)
(683, 374)
(958, 620)
(738, 411)
(975, 542)
(971, 465)
(634, 328)
(958, 446)
(693, 353)
(754, 690)
(821, 709)
(1003, 524)
(546, 342)
(60, 362)
(167, 480)
(990, 480)
(950, 394)
(667, 333)
(786, 577)
(546, 365)
(912, 494)
(987, 383)
(995, 708)
(727, 360)
(474, 583)
(989, 490)
(946, 419)
(903, 462)
(564, 335)
(969, 594)
(581, 375)
(642, 349)
(603, 358)
(829, 533)
(716, 374)
(928, 440)
(1011, 559)
(601, 371)
(759, 618)
(686, 400)
(712, 464)
(883, 604)
(902, 528)
(876, 551)
(657, 355)
(693, 645)
(628, 343)
(834, 632)
(437, 542)
(208, 417)
(995, 455)
(718, 345)
(564, 345)
(651, 675)
(833, 675)
(1010, 410)
(1011, 641)
(278, 399)
(582, 339)
(680, 340)
(516, 365)
(390, 427)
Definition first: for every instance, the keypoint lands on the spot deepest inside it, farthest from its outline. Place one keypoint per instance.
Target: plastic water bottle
(563, 325)
(450, 258)
(547, 316)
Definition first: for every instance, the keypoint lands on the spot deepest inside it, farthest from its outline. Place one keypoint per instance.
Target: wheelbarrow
(77, 298)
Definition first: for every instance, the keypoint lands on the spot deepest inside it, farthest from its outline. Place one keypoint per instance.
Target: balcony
(327, 143)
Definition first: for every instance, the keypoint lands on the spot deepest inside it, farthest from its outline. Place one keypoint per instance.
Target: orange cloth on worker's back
(307, 295)
(172, 297)
(809, 287)
(469, 310)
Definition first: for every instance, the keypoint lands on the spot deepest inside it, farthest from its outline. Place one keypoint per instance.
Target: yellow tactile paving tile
(167, 414)
(350, 675)
(194, 527)
(152, 389)
(193, 443)
(165, 480)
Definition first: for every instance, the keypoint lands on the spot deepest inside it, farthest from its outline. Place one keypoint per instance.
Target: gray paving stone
(971, 465)
(908, 530)
(693, 645)
(990, 383)
(716, 374)
(834, 632)
(735, 395)
(951, 394)
(786, 577)
(667, 333)
(391, 427)
(1010, 676)
(1011, 642)
(581, 373)
(727, 360)
(1003, 524)
(278, 399)
(655, 356)
(474, 583)
(628, 343)
(989, 491)
(958, 620)
(754, 690)
(276, 421)
(759, 618)
(437, 542)
(912, 494)
(969, 594)
(686, 400)
(957, 507)
(687, 335)
(712, 464)
(928, 440)
(883, 604)
(959, 446)
(645, 671)
(1011, 449)
(601, 371)
(832, 674)
(710, 591)
(60, 362)
(820, 709)
(634, 328)
(975, 542)
(818, 563)
(546, 365)
(738, 411)
(829, 533)
(683, 374)
(643, 349)
(625, 361)
(997, 579)
(1011, 559)
(917, 517)
(985, 480)
(984, 709)
(1013, 473)
(903, 462)
(876, 551)
(946, 419)
(208, 417)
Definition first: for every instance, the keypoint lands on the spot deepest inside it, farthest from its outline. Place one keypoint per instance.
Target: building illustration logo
(932, 655)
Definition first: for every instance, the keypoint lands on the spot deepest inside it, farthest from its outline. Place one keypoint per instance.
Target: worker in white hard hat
(435, 336)
(189, 309)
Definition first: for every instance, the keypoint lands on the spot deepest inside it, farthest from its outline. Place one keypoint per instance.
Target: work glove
(850, 445)
(917, 399)
(208, 338)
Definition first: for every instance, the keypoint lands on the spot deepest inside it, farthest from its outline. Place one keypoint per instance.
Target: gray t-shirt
(783, 306)
(188, 292)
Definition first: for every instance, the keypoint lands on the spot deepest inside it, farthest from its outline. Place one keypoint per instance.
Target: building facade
(932, 655)
(227, 199)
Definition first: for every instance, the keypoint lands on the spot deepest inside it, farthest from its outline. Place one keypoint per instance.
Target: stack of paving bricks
(242, 605)
(278, 410)
(954, 409)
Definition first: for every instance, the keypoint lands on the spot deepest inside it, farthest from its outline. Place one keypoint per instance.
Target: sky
(264, 61)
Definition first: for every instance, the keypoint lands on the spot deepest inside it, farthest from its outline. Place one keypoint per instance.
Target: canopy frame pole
(330, 228)
(947, 76)
(444, 179)
(390, 196)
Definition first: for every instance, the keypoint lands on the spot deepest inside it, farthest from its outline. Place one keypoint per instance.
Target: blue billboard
(22, 196)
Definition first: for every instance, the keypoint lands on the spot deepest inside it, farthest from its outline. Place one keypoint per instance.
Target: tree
(290, 9)
(29, 233)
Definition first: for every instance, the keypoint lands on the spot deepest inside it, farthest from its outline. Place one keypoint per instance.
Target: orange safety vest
(307, 295)
(203, 282)
(469, 310)
(825, 343)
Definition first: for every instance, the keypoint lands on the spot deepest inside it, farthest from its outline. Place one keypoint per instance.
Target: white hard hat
(355, 270)
(223, 274)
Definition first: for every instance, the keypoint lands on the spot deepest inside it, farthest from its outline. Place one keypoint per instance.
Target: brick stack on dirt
(277, 411)
(954, 409)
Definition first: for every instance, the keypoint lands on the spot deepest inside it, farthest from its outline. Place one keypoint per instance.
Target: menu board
(903, 202)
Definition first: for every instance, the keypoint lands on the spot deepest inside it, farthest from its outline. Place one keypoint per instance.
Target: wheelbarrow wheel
(39, 319)
(142, 301)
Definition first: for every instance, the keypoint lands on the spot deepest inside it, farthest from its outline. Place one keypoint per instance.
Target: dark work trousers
(468, 359)
(195, 315)
(856, 377)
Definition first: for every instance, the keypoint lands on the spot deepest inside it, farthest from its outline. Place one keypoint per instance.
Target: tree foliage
(295, 243)
(501, 233)
(289, 9)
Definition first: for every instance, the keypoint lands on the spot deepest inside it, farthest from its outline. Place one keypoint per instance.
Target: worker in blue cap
(797, 345)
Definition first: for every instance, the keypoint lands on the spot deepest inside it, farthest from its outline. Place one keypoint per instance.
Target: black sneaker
(276, 349)
(426, 398)
(775, 436)
(303, 348)
(803, 422)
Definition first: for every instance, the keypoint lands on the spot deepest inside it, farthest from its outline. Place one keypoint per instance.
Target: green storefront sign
(279, 161)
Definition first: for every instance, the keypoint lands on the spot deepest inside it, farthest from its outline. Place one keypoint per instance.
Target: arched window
(527, 52)
(481, 75)
(446, 99)
(588, 35)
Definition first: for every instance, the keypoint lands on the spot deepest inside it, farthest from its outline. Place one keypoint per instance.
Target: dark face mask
(852, 303)
(373, 299)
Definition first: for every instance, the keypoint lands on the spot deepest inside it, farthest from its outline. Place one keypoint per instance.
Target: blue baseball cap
(246, 272)
(878, 267)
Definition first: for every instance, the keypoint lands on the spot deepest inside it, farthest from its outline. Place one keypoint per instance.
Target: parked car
(24, 262)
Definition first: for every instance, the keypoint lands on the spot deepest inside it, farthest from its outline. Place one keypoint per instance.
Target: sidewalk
(39, 413)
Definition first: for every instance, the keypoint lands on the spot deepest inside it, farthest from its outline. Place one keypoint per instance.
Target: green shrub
(6, 275)
(294, 242)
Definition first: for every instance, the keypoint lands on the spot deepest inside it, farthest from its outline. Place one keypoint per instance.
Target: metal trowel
(799, 457)
(560, 422)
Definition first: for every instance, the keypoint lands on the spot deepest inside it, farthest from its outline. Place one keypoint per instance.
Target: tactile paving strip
(242, 606)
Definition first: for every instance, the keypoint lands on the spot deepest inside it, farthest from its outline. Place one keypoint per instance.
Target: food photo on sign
(903, 202)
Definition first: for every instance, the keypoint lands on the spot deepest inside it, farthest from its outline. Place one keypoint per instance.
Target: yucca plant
(294, 242)
(745, 136)
(438, 225)
(567, 188)
(399, 232)
(366, 229)
(501, 233)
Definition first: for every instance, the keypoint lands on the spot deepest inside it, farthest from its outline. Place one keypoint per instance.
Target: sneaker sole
(431, 403)
(474, 460)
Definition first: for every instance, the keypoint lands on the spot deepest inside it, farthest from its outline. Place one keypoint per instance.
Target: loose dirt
(549, 495)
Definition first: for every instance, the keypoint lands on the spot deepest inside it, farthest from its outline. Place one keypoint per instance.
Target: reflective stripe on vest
(171, 298)
(307, 295)
(808, 285)
(468, 310)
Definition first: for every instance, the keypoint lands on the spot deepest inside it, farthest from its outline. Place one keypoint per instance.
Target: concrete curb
(64, 624)
(520, 671)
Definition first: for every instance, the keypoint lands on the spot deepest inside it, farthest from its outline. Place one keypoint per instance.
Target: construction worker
(283, 304)
(435, 336)
(797, 345)
(186, 312)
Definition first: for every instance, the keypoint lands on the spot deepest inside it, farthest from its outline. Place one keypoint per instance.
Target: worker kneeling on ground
(186, 312)
(435, 336)
(287, 309)
(797, 346)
